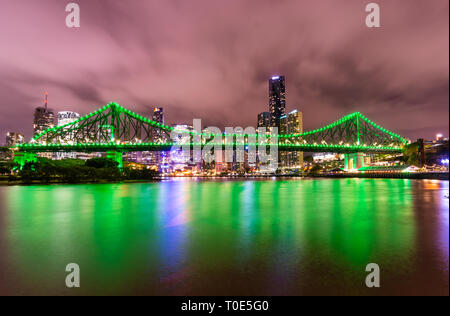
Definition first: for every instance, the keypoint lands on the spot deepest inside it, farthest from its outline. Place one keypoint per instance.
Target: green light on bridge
(309, 138)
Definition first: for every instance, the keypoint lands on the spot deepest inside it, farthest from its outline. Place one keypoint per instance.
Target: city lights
(247, 149)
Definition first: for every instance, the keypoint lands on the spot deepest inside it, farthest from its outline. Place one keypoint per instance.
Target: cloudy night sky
(212, 59)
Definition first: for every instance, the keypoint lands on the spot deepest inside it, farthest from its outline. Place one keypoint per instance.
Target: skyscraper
(291, 123)
(64, 118)
(178, 160)
(44, 118)
(67, 117)
(158, 115)
(13, 139)
(155, 158)
(277, 99)
(264, 119)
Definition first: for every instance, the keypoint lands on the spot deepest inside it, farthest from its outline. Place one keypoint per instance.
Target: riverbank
(373, 175)
(10, 180)
(394, 175)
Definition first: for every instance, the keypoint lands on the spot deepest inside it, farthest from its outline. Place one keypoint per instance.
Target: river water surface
(188, 237)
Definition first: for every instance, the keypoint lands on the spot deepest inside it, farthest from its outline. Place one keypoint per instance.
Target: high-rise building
(277, 99)
(291, 123)
(13, 139)
(44, 118)
(155, 158)
(66, 117)
(178, 160)
(158, 115)
(264, 119)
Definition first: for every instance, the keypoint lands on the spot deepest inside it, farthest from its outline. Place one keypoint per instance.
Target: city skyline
(229, 155)
(216, 73)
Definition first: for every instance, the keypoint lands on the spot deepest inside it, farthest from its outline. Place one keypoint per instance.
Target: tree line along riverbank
(103, 170)
(72, 171)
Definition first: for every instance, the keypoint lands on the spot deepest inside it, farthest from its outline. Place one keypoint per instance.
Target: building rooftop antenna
(46, 100)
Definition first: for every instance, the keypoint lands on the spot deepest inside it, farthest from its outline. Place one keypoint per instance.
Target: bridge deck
(167, 147)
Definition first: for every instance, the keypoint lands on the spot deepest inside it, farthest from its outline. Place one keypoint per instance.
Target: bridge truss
(114, 128)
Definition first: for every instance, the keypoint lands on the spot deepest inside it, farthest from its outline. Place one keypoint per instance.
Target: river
(226, 237)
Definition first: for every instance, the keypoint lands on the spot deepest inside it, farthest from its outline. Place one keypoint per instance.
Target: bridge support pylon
(353, 161)
(117, 157)
(21, 158)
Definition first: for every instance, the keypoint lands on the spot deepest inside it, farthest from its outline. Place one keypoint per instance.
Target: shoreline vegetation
(6, 181)
(96, 170)
(103, 171)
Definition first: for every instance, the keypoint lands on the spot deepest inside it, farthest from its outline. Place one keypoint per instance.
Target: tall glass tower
(158, 115)
(44, 118)
(264, 119)
(156, 158)
(277, 99)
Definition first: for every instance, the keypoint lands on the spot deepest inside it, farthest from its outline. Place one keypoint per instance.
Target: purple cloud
(212, 60)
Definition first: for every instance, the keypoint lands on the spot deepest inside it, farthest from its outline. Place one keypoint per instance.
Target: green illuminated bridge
(116, 129)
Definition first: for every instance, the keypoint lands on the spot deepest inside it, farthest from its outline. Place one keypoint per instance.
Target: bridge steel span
(115, 130)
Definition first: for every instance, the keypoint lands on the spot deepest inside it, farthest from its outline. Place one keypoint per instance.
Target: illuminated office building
(179, 161)
(277, 100)
(264, 119)
(44, 118)
(158, 115)
(66, 117)
(13, 139)
(154, 158)
(291, 123)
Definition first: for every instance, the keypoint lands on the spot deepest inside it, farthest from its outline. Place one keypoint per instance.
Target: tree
(102, 163)
(139, 174)
(315, 169)
(309, 159)
(7, 167)
(411, 154)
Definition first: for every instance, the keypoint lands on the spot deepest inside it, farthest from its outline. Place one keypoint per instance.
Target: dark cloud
(212, 60)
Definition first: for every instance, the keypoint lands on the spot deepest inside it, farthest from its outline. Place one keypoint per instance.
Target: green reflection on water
(181, 236)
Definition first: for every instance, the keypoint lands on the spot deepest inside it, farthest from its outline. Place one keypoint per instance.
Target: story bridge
(114, 129)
